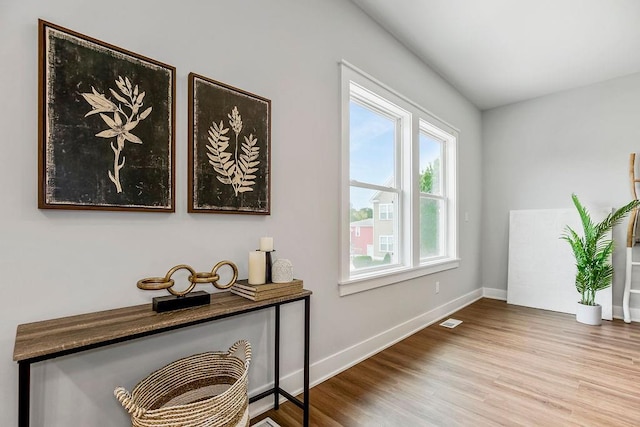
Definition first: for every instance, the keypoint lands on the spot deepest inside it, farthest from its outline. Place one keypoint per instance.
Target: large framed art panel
(229, 149)
(106, 126)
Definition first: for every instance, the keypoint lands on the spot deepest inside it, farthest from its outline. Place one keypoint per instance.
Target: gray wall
(537, 153)
(59, 263)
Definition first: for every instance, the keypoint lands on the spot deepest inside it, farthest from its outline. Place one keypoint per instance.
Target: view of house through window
(399, 173)
(373, 198)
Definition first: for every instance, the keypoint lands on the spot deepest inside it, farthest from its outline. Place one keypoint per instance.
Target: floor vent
(451, 323)
(267, 422)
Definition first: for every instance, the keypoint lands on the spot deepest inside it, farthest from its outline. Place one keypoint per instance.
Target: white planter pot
(589, 314)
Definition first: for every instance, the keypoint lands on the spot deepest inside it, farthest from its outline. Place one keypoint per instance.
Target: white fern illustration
(122, 123)
(239, 171)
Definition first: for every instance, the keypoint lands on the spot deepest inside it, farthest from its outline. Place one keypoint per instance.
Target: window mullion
(375, 187)
(432, 196)
(414, 173)
(400, 225)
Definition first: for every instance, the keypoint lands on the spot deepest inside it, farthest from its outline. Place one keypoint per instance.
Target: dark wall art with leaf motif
(106, 126)
(229, 149)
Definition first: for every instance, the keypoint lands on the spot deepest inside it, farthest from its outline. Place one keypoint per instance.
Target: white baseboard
(494, 293)
(501, 294)
(618, 313)
(338, 362)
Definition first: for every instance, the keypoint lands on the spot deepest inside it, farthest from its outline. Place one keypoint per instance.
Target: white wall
(59, 263)
(538, 152)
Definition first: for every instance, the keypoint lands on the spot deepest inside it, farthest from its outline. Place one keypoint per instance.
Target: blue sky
(371, 151)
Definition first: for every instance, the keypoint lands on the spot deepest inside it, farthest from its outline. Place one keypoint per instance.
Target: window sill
(377, 280)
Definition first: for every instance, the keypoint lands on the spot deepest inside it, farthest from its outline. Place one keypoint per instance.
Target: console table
(49, 339)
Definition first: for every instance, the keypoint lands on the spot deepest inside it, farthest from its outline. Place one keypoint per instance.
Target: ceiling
(498, 52)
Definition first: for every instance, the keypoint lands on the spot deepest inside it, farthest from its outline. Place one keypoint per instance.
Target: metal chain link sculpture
(166, 282)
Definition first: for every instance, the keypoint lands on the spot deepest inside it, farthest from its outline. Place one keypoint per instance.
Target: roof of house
(363, 223)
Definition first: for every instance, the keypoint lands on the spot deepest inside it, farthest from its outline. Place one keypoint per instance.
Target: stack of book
(267, 290)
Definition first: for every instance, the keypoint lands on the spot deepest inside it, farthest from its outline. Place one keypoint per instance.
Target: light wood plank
(505, 365)
(39, 339)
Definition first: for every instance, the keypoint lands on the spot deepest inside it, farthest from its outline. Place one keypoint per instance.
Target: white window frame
(407, 248)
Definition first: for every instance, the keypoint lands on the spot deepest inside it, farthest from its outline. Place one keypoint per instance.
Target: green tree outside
(429, 212)
(360, 214)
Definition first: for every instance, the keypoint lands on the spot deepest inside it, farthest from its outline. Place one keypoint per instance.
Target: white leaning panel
(541, 265)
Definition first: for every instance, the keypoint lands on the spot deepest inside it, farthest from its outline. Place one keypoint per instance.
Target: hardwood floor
(504, 365)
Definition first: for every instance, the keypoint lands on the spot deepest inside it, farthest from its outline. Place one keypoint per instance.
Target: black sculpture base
(172, 302)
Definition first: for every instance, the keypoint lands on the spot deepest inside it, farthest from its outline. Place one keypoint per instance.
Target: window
(386, 244)
(432, 201)
(398, 175)
(386, 212)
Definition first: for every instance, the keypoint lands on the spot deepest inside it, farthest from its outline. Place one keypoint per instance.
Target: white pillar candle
(266, 244)
(257, 263)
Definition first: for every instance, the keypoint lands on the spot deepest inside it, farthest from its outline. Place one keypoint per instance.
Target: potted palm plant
(592, 252)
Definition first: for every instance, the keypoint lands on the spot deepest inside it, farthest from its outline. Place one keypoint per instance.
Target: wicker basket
(203, 390)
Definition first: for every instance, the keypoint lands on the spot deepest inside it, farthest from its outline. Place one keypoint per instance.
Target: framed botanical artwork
(106, 126)
(229, 149)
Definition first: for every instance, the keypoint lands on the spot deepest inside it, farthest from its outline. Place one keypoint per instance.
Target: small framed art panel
(229, 149)
(106, 126)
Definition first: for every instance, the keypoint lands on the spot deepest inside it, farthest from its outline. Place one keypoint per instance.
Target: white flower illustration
(122, 123)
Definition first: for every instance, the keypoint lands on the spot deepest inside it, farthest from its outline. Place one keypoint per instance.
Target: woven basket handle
(127, 402)
(247, 351)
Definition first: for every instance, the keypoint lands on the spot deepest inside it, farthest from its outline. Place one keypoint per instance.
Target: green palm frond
(593, 250)
(616, 217)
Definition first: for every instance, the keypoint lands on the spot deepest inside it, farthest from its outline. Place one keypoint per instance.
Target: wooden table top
(55, 337)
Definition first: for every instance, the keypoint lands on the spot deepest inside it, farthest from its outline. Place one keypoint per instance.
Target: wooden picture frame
(229, 149)
(106, 120)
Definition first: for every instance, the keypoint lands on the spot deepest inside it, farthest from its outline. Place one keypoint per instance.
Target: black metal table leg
(307, 315)
(24, 390)
(276, 368)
